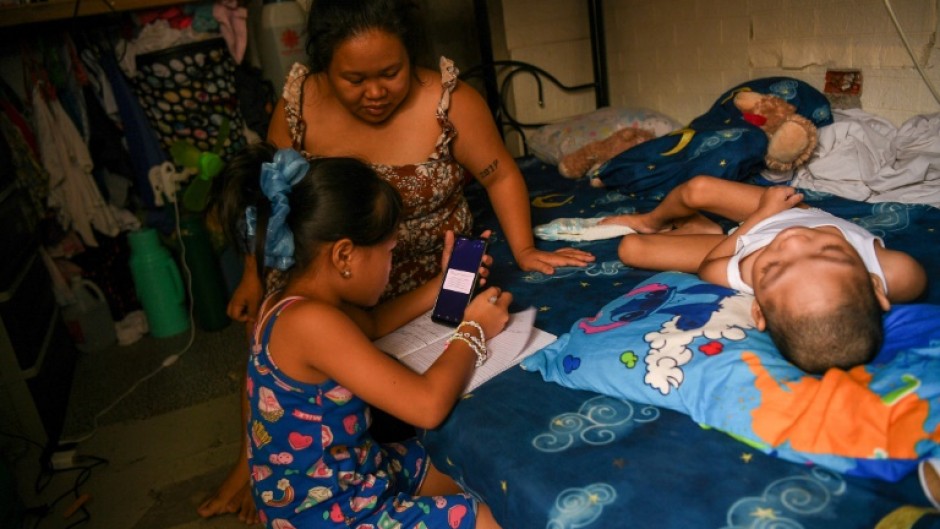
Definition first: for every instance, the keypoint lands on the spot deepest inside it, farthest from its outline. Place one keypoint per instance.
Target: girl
(361, 94)
(324, 232)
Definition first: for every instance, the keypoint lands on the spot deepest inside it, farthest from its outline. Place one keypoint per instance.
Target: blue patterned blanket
(543, 455)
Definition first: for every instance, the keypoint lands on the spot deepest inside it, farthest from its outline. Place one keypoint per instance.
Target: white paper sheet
(420, 342)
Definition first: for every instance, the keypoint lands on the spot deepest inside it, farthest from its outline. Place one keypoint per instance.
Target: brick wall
(677, 56)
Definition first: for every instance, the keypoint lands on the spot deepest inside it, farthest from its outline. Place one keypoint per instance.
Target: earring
(346, 274)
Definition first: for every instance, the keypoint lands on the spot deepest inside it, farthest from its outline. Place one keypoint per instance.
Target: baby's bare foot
(695, 225)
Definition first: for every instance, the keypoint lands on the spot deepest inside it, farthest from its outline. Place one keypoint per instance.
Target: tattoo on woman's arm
(489, 169)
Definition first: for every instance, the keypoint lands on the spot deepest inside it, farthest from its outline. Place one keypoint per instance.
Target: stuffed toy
(726, 141)
(792, 137)
(592, 155)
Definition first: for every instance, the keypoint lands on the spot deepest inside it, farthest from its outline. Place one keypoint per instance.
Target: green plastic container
(158, 283)
(209, 294)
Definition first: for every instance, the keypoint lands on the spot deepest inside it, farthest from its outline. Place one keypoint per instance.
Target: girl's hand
(533, 259)
(490, 308)
(449, 247)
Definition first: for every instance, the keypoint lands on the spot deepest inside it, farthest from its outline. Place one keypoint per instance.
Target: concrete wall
(677, 56)
(553, 35)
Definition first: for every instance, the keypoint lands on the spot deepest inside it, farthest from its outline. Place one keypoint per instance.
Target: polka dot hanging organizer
(188, 93)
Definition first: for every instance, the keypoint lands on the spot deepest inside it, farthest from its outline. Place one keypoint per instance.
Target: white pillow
(552, 142)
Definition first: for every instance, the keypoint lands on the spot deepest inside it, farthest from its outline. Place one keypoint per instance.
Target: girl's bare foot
(232, 497)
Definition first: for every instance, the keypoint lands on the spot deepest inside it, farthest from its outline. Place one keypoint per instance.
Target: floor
(165, 454)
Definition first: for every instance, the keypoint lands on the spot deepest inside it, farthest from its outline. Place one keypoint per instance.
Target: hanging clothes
(140, 137)
(72, 190)
(100, 83)
(29, 174)
(17, 133)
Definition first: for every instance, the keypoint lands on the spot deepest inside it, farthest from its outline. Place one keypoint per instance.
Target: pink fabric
(232, 26)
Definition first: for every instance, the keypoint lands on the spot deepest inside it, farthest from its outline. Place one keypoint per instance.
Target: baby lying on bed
(820, 283)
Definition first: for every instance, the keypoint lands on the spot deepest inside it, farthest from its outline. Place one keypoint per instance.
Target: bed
(544, 455)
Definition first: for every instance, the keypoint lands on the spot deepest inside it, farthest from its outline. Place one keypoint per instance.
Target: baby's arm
(906, 277)
(714, 268)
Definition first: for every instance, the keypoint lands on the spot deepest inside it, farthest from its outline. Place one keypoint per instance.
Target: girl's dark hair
(331, 22)
(338, 198)
(237, 187)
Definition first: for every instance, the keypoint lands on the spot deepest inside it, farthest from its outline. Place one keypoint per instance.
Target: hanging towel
(72, 191)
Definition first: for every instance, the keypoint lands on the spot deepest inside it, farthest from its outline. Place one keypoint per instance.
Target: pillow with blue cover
(678, 342)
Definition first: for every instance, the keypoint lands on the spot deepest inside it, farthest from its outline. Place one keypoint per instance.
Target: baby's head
(818, 301)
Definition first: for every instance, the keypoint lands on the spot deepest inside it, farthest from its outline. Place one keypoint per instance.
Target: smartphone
(460, 280)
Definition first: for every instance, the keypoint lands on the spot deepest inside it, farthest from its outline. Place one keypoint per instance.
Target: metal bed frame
(495, 91)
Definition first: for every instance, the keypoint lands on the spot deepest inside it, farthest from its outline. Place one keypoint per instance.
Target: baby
(820, 283)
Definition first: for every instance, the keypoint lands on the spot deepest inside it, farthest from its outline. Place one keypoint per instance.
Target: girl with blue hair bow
(324, 232)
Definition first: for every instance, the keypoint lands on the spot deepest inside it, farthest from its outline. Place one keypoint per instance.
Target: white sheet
(864, 157)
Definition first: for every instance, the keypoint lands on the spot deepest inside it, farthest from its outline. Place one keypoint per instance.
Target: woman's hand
(533, 259)
(246, 299)
(490, 308)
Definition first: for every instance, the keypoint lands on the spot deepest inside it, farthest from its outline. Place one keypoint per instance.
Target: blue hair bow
(277, 178)
(251, 221)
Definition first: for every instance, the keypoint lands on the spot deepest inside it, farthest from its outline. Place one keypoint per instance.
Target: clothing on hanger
(72, 191)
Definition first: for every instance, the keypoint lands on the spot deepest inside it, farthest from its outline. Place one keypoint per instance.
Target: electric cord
(39, 484)
(910, 51)
(45, 476)
(80, 500)
(169, 360)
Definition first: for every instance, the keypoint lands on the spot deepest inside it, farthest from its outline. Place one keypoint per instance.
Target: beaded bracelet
(462, 337)
(476, 326)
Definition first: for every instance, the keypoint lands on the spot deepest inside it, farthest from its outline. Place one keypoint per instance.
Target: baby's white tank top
(765, 231)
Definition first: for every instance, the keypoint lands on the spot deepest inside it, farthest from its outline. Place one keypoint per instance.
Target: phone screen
(460, 280)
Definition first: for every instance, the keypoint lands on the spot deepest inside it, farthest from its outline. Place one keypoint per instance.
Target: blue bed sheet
(542, 455)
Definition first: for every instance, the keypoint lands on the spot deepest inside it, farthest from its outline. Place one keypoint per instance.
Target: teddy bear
(722, 143)
(589, 157)
(792, 137)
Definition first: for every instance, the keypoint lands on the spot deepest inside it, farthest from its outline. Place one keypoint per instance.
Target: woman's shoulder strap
(293, 95)
(449, 74)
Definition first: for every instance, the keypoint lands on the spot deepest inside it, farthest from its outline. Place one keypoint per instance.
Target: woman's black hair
(331, 22)
(338, 198)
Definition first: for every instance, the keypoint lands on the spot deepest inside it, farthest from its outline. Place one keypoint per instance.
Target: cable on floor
(80, 500)
(169, 360)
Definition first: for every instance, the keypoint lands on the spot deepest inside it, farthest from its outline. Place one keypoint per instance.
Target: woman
(421, 130)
